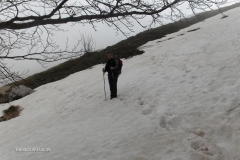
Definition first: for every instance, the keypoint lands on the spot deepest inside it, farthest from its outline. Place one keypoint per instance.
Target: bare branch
(94, 10)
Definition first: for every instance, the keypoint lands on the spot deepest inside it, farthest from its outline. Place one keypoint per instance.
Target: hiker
(112, 69)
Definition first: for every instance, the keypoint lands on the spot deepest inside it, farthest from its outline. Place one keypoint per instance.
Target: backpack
(120, 64)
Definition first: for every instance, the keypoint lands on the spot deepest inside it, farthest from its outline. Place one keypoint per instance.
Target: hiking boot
(113, 97)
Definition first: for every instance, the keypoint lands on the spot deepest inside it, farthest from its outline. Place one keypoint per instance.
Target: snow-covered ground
(180, 100)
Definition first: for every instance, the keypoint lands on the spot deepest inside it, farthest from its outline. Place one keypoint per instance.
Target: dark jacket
(111, 63)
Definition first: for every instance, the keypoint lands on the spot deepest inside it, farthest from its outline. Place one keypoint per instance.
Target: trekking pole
(114, 85)
(104, 86)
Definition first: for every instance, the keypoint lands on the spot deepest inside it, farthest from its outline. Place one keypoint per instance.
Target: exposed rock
(4, 92)
(18, 92)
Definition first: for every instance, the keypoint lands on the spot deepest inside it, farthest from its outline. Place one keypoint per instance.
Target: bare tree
(31, 24)
(87, 42)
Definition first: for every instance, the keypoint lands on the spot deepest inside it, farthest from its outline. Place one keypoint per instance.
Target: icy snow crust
(180, 100)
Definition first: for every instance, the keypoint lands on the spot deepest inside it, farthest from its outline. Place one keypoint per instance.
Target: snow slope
(180, 100)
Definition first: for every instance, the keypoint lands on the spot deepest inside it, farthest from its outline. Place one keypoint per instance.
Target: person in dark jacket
(112, 69)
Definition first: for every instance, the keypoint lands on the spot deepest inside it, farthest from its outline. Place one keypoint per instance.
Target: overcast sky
(103, 37)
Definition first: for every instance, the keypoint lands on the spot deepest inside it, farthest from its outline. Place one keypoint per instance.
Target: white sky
(177, 101)
(103, 37)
